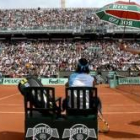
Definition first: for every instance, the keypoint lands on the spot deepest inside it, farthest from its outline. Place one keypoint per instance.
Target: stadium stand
(28, 46)
(46, 59)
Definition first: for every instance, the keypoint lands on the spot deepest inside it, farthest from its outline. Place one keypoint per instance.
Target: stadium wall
(104, 74)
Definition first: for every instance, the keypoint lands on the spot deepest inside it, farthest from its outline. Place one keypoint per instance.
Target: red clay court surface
(121, 112)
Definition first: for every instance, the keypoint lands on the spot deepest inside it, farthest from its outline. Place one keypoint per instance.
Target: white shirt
(80, 80)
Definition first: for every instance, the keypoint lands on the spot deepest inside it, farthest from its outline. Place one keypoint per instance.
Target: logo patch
(79, 132)
(42, 132)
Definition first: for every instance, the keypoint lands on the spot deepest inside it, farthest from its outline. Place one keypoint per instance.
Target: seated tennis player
(82, 78)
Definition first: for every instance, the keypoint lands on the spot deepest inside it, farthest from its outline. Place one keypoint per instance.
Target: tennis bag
(28, 82)
(32, 82)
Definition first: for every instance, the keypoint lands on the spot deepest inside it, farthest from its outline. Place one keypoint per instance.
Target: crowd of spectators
(46, 58)
(40, 19)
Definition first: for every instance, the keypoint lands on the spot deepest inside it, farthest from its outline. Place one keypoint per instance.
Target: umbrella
(126, 14)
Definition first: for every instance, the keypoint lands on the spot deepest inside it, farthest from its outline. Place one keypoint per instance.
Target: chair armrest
(58, 99)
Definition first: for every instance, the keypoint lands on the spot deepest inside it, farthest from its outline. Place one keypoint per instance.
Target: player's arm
(67, 84)
(94, 82)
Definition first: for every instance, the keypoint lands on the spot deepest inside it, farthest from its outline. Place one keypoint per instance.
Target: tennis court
(120, 111)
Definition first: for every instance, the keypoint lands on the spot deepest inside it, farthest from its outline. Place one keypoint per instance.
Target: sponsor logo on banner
(56, 81)
(79, 132)
(11, 81)
(42, 131)
(129, 80)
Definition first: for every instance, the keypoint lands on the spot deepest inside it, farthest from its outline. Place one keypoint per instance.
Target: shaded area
(131, 91)
(136, 123)
(119, 134)
(11, 135)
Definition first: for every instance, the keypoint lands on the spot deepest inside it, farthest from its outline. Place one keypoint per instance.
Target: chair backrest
(81, 100)
(41, 99)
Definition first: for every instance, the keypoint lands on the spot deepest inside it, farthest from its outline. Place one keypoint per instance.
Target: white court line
(1, 112)
(113, 105)
(113, 113)
(8, 96)
(122, 105)
(110, 113)
(11, 104)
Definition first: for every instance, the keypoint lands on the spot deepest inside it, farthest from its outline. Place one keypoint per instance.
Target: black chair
(42, 100)
(81, 101)
(81, 111)
(41, 110)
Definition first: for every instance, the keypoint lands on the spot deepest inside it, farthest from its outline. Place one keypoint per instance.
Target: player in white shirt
(81, 78)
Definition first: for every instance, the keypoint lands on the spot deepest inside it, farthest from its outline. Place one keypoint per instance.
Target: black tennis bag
(31, 82)
(28, 82)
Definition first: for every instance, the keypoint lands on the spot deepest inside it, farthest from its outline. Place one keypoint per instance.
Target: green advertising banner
(129, 80)
(45, 81)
